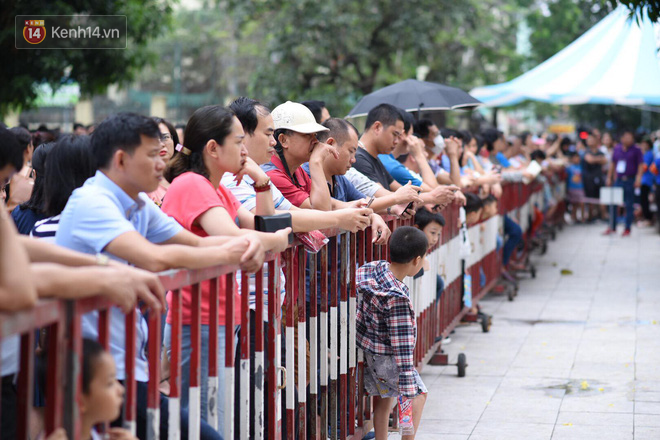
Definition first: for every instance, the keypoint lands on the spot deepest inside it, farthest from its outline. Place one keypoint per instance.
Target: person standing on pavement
(625, 172)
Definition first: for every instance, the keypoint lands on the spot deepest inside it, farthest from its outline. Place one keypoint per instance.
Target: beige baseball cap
(295, 117)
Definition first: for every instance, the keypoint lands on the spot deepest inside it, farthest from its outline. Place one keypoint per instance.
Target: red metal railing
(328, 397)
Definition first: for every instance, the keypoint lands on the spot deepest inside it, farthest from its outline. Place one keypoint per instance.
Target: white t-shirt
(361, 182)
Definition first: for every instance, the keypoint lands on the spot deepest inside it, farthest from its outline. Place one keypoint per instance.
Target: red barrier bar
(324, 353)
(244, 370)
(362, 248)
(194, 392)
(25, 383)
(174, 401)
(302, 347)
(153, 393)
(130, 407)
(212, 393)
(342, 394)
(259, 366)
(229, 356)
(313, 349)
(55, 379)
(289, 345)
(334, 330)
(352, 348)
(274, 311)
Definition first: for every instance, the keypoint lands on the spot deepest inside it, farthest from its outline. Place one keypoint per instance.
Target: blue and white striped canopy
(615, 62)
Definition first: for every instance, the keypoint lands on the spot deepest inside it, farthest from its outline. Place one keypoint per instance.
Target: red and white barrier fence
(327, 399)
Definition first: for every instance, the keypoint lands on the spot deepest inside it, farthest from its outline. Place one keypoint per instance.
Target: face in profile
(391, 136)
(261, 144)
(144, 167)
(103, 401)
(346, 153)
(232, 153)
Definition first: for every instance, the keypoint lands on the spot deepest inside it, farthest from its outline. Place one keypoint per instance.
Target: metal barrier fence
(327, 399)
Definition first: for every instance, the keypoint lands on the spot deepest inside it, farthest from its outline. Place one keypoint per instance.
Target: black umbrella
(412, 95)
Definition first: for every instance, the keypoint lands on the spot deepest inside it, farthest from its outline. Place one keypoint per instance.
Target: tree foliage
(339, 50)
(93, 70)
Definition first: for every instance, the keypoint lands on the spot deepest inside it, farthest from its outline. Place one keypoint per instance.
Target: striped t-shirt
(45, 229)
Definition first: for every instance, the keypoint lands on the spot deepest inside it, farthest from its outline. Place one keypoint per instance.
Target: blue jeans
(628, 200)
(514, 233)
(186, 351)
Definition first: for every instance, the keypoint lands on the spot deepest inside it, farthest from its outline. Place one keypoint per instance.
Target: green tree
(339, 50)
(94, 70)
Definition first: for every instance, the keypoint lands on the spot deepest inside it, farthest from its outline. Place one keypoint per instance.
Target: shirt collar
(127, 204)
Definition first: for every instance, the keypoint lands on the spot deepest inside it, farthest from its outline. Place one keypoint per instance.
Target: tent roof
(615, 62)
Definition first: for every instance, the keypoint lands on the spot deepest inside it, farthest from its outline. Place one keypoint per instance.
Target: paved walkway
(573, 357)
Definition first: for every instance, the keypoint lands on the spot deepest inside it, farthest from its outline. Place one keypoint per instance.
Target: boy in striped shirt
(386, 328)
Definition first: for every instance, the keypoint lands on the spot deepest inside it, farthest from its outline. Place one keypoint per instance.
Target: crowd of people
(102, 210)
(600, 160)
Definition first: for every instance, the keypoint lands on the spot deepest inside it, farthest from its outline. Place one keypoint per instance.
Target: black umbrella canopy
(412, 95)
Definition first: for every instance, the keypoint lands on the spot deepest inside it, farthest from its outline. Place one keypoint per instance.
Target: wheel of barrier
(461, 364)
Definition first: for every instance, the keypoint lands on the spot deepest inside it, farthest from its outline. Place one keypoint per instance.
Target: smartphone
(371, 200)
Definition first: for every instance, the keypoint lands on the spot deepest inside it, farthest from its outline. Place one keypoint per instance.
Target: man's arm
(137, 250)
(319, 197)
(121, 285)
(17, 290)
(416, 149)
(40, 251)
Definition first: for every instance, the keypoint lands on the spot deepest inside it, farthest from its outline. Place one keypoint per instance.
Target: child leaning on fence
(386, 329)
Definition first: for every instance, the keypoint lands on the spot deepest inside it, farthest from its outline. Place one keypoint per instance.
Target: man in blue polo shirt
(627, 166)
(111, 215)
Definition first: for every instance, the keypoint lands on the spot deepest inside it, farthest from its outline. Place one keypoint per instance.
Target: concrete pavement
(573, 357)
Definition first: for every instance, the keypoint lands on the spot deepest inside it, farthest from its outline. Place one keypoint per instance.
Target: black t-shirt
(592, 170)
(372, 168)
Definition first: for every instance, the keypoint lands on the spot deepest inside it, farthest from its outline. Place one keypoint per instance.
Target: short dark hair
(316, 107)
(489, 199)
(247, 111)
(210, 122)
(92, 351)
(480, 142)
(538, 155)
(424, 217)
(449, 132)
(122, 131)
(466, 136)
(406, 244)
(338, 128)
(386, 114)
(422, 127)
(408, 120)
(473, 203)
(11, 152)
(69, 165)
(491, 135)
(23, 136)
(77, 125)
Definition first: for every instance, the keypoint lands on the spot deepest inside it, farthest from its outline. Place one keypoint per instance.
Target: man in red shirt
(295, 133)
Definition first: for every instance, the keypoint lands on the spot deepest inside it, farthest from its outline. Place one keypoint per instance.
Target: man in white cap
(295, 133)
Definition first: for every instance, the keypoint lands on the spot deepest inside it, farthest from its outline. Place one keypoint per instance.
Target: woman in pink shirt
(201, 204)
